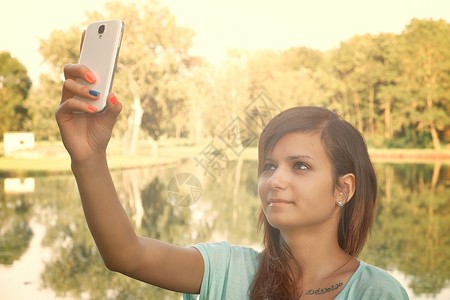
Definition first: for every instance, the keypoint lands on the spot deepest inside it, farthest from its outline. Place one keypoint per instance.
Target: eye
(269, 167)
(301, 166)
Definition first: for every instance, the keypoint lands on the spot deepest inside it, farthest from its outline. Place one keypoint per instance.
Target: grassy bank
(52, 157)
(60, 165)
(56, 160)
(410, 155)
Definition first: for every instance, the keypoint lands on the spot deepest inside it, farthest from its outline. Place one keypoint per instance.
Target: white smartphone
(99, 53)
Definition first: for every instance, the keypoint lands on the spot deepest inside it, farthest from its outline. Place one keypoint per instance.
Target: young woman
(317, 189)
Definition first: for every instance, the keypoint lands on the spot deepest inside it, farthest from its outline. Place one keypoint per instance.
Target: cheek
(316, 193)
(262, 189)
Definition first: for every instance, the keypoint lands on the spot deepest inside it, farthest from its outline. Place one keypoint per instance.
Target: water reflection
(410, 233)
(409, 237)
(15, 214)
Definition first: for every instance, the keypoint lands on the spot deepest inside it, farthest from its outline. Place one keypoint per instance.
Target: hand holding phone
(99, 53)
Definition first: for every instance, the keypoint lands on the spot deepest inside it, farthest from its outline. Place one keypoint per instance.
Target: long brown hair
(347, 152)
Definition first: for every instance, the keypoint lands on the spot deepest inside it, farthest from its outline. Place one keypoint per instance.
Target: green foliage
(14, 87)
(41, 106)
(153, 65)
(393, 87)
(425, 75)
(61, 48)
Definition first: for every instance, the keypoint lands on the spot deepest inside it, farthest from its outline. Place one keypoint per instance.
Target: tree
(359, 65)
(425, 63)
(14, 87)
(217, 95)
(388, 94)
(152, 67)
(292, 77)
(41, 105)
(393, 88)
(61, 48)
(154, 60)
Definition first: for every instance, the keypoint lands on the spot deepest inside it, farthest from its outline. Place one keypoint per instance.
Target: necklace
(324, 290)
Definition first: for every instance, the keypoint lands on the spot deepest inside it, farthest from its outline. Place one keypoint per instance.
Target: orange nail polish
(114, 99)
(93, 108)
(90, 76)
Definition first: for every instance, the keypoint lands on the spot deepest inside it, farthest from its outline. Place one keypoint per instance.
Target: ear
(346, 188)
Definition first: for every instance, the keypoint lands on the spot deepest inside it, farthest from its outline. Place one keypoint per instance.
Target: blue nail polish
(94, 93)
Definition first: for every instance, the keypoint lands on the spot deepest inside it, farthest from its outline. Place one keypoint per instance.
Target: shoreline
(414, 155)
(58, 162)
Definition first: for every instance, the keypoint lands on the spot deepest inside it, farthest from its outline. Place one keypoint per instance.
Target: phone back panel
(99, 53)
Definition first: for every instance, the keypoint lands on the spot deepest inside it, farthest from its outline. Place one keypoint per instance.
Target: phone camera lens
(101, 29)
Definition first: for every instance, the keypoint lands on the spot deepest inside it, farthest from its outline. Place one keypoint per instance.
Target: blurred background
(198, 80)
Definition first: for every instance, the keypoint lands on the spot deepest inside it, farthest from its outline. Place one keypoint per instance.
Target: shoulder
(375, 275)
(228, 271)
(224, 251)
(370, 282)
(221, 257)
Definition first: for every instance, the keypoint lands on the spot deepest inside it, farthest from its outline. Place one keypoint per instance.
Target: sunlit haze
(224, 24)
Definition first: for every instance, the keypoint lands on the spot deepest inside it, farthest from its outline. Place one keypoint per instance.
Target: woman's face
(296, 185)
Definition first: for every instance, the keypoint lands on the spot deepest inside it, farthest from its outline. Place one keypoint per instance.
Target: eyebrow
(293, 157)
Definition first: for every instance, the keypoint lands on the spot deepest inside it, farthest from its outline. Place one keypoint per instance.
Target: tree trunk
(356, 102)
(177, 131)
(371, 110)
(387, 120)
(134, 126)
(430, 80)
(435, 137)
(154, 146)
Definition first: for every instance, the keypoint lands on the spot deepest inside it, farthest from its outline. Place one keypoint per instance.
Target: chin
(281, 221)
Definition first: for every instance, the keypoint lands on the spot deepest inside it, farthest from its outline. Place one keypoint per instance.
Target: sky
(223, 24)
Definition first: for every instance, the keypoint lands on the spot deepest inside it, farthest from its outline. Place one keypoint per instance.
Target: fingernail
(94, 93)
(93, 108)
(90, 76)
(114, 99)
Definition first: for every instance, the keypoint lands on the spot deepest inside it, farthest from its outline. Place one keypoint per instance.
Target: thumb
(114, 108)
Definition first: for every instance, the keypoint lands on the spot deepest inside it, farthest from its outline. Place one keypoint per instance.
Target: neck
(316, 254)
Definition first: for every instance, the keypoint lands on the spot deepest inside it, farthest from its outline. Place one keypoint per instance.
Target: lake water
(46, 251)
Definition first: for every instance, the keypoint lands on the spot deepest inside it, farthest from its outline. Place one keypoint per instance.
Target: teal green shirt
(229, 272)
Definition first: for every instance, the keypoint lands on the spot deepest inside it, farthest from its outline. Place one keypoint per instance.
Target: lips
(278, 202)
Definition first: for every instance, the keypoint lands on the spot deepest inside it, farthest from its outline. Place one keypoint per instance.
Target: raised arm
(85, 137)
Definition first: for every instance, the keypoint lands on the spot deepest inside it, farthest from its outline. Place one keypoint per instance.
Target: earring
(340, 203)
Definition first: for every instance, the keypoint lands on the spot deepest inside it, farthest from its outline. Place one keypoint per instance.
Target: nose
(277, 181)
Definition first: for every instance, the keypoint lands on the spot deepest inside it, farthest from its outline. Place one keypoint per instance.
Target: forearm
(105, 216)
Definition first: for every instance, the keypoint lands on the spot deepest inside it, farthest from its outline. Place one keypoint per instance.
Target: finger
(72, 71)
(73, 105)
(72, 87)
(82, 39)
